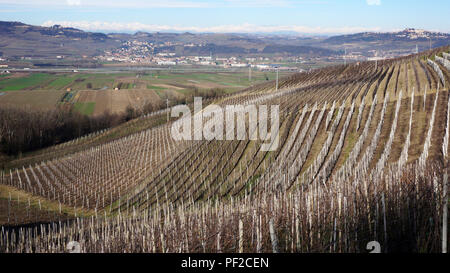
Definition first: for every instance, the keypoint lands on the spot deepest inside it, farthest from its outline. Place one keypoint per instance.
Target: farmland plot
(117, 101)
(36, 100)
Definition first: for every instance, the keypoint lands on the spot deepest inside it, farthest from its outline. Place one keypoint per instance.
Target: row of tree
(23, 129)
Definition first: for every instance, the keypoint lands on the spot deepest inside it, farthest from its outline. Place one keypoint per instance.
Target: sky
(300, 17)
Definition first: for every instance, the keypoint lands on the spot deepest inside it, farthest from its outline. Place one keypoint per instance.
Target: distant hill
(221, 43)
(21, 40)
(299, 50)
(405, 40)
(407, 35)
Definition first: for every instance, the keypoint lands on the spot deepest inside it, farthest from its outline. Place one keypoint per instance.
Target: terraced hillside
(362, 155)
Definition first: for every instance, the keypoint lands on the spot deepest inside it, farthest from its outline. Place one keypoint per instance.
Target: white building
(239, 65)
(166, 63)
(262, 66)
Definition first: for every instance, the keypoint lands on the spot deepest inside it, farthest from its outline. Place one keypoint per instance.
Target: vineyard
(362, 156)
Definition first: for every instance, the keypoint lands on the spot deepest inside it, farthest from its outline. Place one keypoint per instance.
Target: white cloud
(111, 3)
(373, 2)
(161, 3)
(241, 28)
(166, 3)
(73, 2)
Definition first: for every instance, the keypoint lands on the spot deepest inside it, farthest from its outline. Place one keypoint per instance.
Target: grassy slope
(86, 108)
(24, 208)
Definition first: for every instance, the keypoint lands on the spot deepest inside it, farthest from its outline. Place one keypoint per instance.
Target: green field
(155, 87)
(85, 108)
(231, 81)
(61, 82)
(47, 90)
(32, 81)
